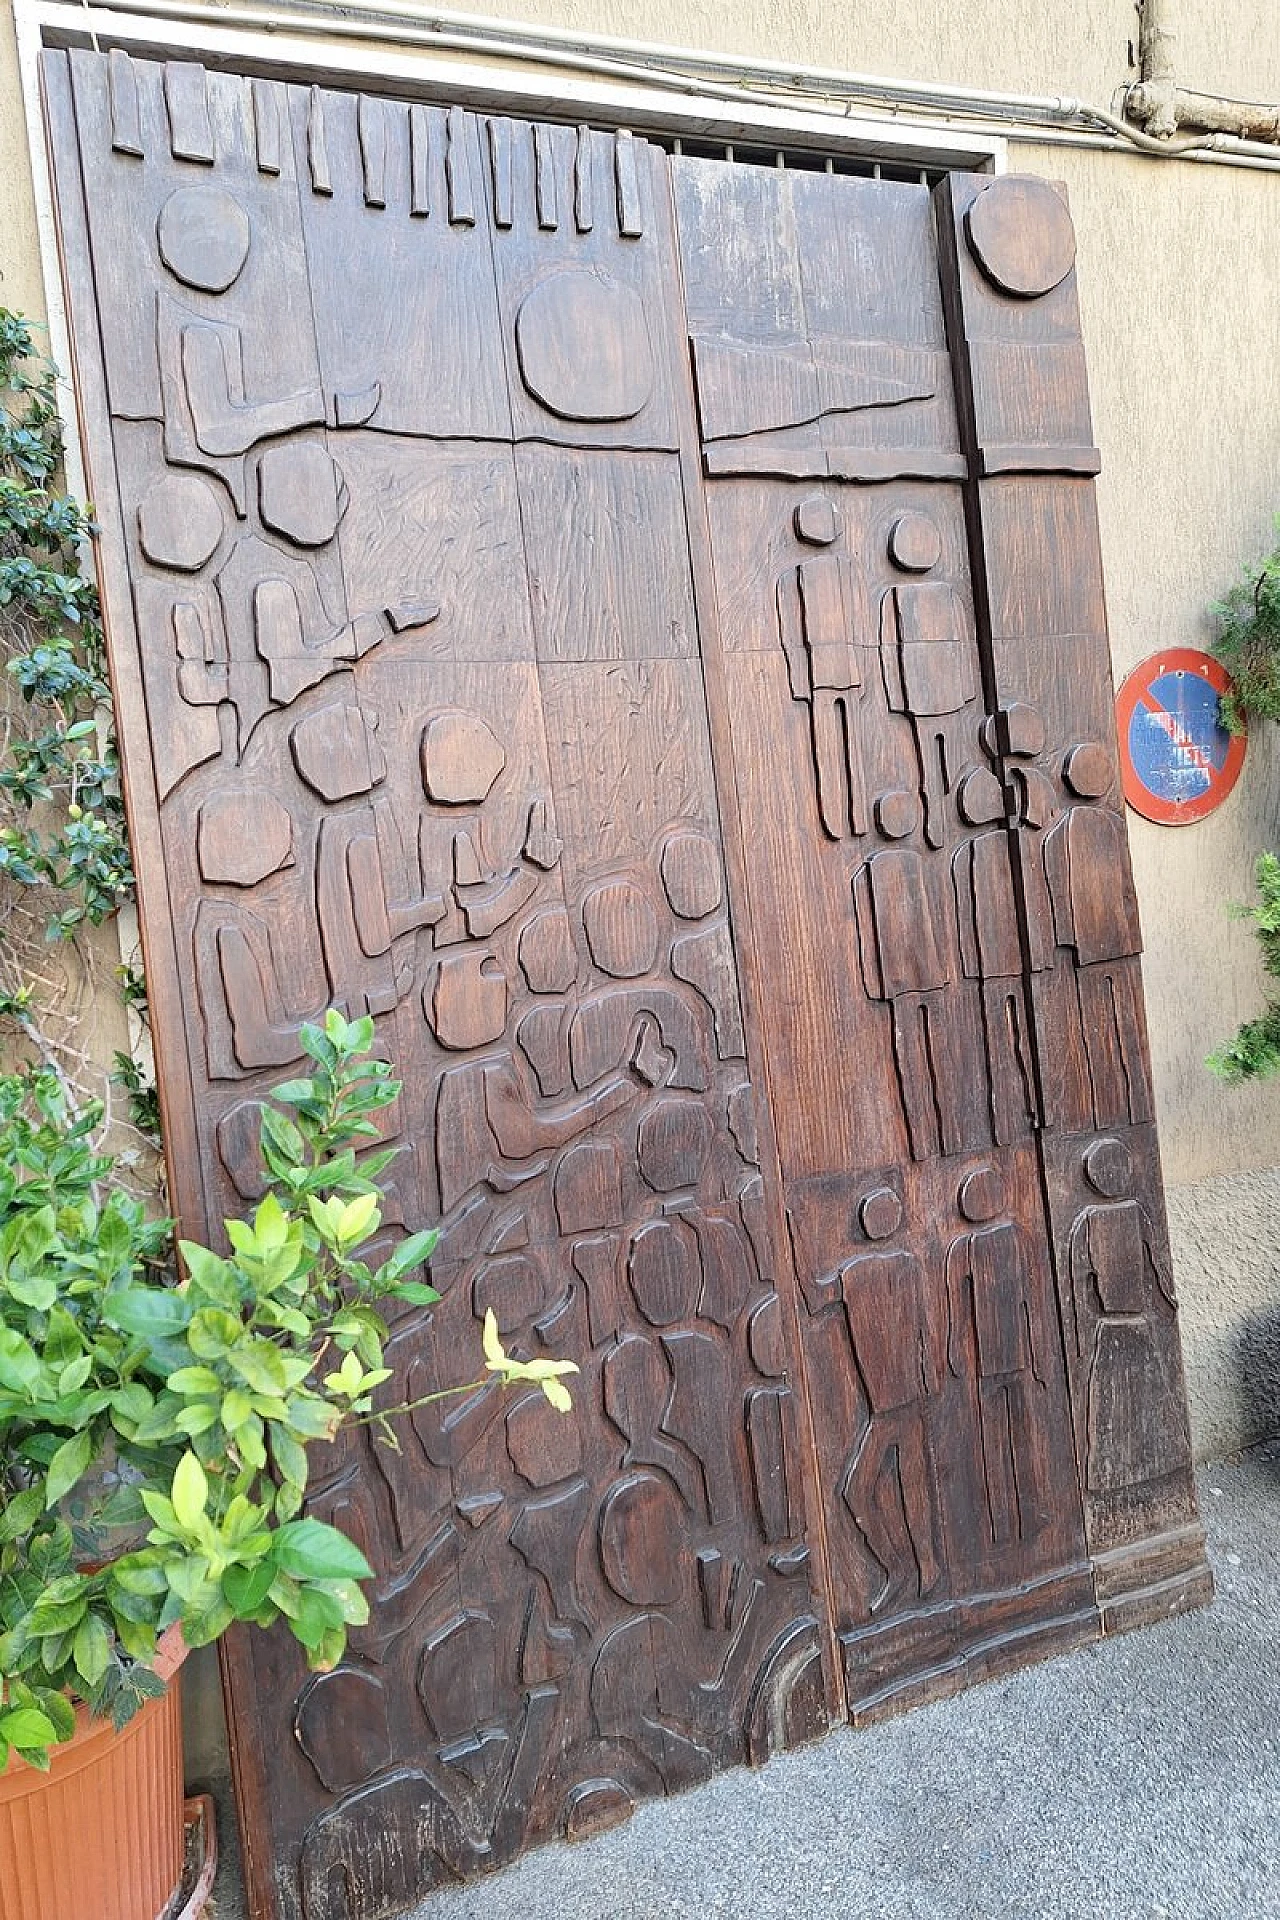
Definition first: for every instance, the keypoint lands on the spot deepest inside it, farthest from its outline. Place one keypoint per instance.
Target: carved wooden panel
(632, 625)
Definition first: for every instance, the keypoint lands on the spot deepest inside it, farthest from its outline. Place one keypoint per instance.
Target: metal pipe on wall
(719, 75)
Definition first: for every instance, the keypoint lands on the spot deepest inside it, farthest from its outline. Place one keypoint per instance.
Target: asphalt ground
(1135, 1779)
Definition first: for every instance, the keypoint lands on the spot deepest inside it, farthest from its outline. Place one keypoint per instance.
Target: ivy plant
(154, 1431)
(61, 816)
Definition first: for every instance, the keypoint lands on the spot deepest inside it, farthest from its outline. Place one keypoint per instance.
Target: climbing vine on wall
(64, 852)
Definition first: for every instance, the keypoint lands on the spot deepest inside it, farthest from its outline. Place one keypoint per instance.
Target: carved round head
(897, 813)
(203, 236)
(180, 522)
(1087, 770)
(880, 1213)
(301, 492)
(817, 520)
(1018, 731)
(915, 545)
(1108, 1168)
(981, 1195)
(621, 928)
(980, 798)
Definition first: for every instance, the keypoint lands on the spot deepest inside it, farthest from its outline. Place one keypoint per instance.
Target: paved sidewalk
(1138, 1779)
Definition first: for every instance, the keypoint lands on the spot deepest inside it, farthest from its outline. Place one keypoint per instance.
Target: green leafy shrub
(154, 1431)
(1248, 643)
(1255, 1050)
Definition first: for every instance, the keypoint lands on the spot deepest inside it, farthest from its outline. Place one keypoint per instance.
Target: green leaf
(37, 1290)
(19, 1367)
(281, 1137)
(67, 1465)
(74, 1374)
(190, 1381)
(358, 1219)
(196, 1419)
(412, 1252)
(153, 1313)
(270, 1223)
(261, 1366)
(212, 1332)
(415, 1291)
(20, 1514)
(92, 1650)
(60, 1711)
(236, 1408)
(318, 1615)
(312, 1550)
(25, 1727)
(246, 1588)
(189, 1492)
(289, 1456)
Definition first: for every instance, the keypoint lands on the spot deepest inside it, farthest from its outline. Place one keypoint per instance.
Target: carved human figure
(494, 1128)
(927, 662)
(250, 1017)
(902, 920)
(1124, 1309)
(365, 918)
(991, 951)
(991, 1331)
(1095, 917)
(898, 1343)
(211, 417)
(287, 624)
(823, 623)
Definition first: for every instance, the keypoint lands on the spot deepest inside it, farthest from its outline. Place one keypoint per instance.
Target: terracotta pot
(100, 1836)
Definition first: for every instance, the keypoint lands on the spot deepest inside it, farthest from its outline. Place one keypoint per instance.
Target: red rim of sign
(1134, 690)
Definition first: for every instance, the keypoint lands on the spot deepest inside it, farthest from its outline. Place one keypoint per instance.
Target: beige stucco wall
(1178, 269)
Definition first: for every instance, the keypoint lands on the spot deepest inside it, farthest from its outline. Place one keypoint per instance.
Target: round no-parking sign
(1177, 759)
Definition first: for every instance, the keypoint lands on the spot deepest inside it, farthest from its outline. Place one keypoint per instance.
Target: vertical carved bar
(457, 166)
(1008, 256)
(419, 162)
(126, 122)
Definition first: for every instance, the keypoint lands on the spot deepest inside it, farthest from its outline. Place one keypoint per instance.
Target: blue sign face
(1177, 759)
(1176, 742)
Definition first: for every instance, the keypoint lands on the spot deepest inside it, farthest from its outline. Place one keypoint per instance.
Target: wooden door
(633, 625)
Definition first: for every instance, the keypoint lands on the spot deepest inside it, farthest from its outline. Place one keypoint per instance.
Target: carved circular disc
(981, 1194)
(1087, 770)
(896, 813)
(880, 1213)
(203, 236)
(915, 544)
(584, 347)
(1108, 1168)
(1020, 234)
(179, 522)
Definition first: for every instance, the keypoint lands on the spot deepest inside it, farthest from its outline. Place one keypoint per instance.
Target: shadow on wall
(1258, 1370)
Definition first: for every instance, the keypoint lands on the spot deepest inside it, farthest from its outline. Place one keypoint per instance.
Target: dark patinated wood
(1010, 281)
(559, 608)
